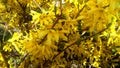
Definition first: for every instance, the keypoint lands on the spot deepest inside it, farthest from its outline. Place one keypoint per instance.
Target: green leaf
(4, 1)
(7, 35)
(113, 50)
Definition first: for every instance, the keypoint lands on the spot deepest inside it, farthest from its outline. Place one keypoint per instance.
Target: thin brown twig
(22, 59)
(58, 17)
(77, 41)
(47, 34)
(34, 1)
(4, 34)
(80, 11)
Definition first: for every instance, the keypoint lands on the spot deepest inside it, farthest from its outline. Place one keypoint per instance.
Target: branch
(77, 41)
(22, 59)
(80, 11)
(43, 39)
(51, 28)
(4, 34)
(37, 4)
(56, 21)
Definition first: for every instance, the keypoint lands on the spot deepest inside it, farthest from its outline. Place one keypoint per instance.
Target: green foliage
(4, 35)
(4, 1)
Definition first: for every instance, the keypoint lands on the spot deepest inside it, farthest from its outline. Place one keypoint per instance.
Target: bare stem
(77, 41)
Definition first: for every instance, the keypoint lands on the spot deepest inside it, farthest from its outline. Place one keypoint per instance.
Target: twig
(25, 55)
(56, 21)
(77, 41)
(80, 11)
(61, 6)
(37, 4)
(23, 58)
(43, 39)
(4, 34)
(47, 34)
(51, 28)
(15, 63)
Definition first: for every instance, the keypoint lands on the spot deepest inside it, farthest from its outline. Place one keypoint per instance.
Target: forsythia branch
(74, 42)
(80, 11)
(51, 28)
(79, 42)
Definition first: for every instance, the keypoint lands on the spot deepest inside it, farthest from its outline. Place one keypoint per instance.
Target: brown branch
(59, 17)
(56, 21)
(80, 11)
(77, 41)
(4, 34)
(34, 1)
(51, 28)
(43, 39)
(61, 7)
(23, 58)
